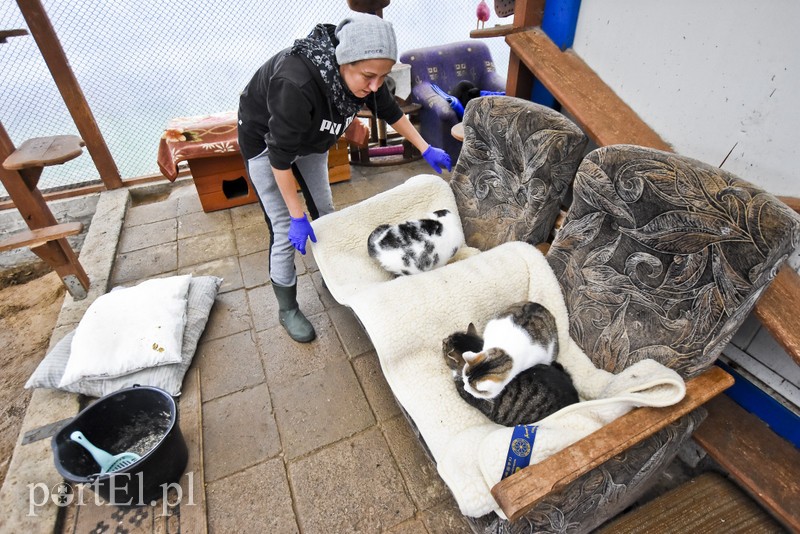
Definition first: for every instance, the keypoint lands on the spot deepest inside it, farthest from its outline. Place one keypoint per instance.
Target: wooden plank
(764, 464)
(211, 183)
(528, 13)
(519, 82)
(216, 200)
(40, 236)
(521, 491)
(597, 109)
(339, 174)
(777, 310)
(190, 410)
(44, 151)
(792, 202)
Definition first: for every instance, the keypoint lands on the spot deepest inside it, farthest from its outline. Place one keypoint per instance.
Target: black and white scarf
(320, 50)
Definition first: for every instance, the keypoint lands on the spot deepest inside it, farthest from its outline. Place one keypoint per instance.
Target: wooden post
(527, 13)
(53, 54)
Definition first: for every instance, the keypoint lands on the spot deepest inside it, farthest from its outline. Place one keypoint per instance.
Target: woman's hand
(299, 231)
(437, 158)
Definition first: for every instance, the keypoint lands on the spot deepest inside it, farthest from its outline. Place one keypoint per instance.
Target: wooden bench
(764, 464)
(20, 172)
(755, 457)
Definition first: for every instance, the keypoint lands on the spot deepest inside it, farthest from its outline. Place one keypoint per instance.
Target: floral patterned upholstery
(663, 257)
(516, 166)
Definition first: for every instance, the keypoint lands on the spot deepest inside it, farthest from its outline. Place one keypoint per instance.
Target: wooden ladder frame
(47, 238)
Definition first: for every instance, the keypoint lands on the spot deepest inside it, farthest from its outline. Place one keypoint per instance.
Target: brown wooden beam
(597, 109)
(792, 202)
(527, 14)
(777, 310)
(53, 54)
(500, 30)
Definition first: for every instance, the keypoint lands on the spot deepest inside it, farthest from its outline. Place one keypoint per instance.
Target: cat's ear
(469, 356)
(471, 330)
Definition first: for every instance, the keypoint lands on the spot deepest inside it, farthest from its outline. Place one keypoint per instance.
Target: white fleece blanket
(408, 317)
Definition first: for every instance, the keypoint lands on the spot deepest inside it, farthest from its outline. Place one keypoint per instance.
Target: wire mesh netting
(141, 63)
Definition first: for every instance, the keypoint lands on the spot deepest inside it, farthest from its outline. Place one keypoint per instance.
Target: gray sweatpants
(319, 200)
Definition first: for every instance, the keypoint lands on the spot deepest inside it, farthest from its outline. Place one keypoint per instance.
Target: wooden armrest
(777, 310)
(40, 236)
(521, 491)
(597, 109)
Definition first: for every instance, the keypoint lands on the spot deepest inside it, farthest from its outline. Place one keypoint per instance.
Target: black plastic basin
(140, 419)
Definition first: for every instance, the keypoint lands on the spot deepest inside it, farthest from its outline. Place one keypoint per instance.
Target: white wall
(707, 75)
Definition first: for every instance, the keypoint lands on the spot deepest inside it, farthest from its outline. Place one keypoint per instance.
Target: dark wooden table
(380, 150)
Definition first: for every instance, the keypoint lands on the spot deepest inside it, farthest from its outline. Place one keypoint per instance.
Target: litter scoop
(108, 463)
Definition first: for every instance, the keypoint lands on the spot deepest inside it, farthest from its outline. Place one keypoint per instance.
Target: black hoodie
(286, 107)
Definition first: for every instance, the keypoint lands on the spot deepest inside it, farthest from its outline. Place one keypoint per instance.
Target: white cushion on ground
(202, 293)
(130, 329)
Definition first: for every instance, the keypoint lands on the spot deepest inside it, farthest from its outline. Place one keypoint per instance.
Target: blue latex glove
(452, 101)
(300, 230)
(493, 93)
(437, 158)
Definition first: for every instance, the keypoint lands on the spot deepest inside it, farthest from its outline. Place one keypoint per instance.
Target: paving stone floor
(296, 437)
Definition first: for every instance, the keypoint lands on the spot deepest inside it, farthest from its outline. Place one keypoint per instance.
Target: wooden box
(339, 162)
(222, 182)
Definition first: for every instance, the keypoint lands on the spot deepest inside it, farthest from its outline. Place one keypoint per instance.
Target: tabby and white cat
(509, 375)
(416, 246)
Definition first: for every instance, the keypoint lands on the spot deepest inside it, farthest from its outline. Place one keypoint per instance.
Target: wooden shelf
(40, 236)
(499, 30)
(5, 34)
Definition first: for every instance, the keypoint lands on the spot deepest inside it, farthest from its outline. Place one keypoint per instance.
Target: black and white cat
(416, 246)
(510, 374)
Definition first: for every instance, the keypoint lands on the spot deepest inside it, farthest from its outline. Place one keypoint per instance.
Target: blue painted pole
(559, 21)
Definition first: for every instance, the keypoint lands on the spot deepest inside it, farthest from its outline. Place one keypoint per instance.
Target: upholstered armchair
(659, 260)
(515, 168)
(445, 66)
(661, 257)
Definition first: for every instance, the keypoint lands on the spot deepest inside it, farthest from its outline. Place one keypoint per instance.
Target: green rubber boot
(292, 319)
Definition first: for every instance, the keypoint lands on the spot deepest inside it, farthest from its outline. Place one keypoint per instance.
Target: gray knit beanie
(363, 36)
